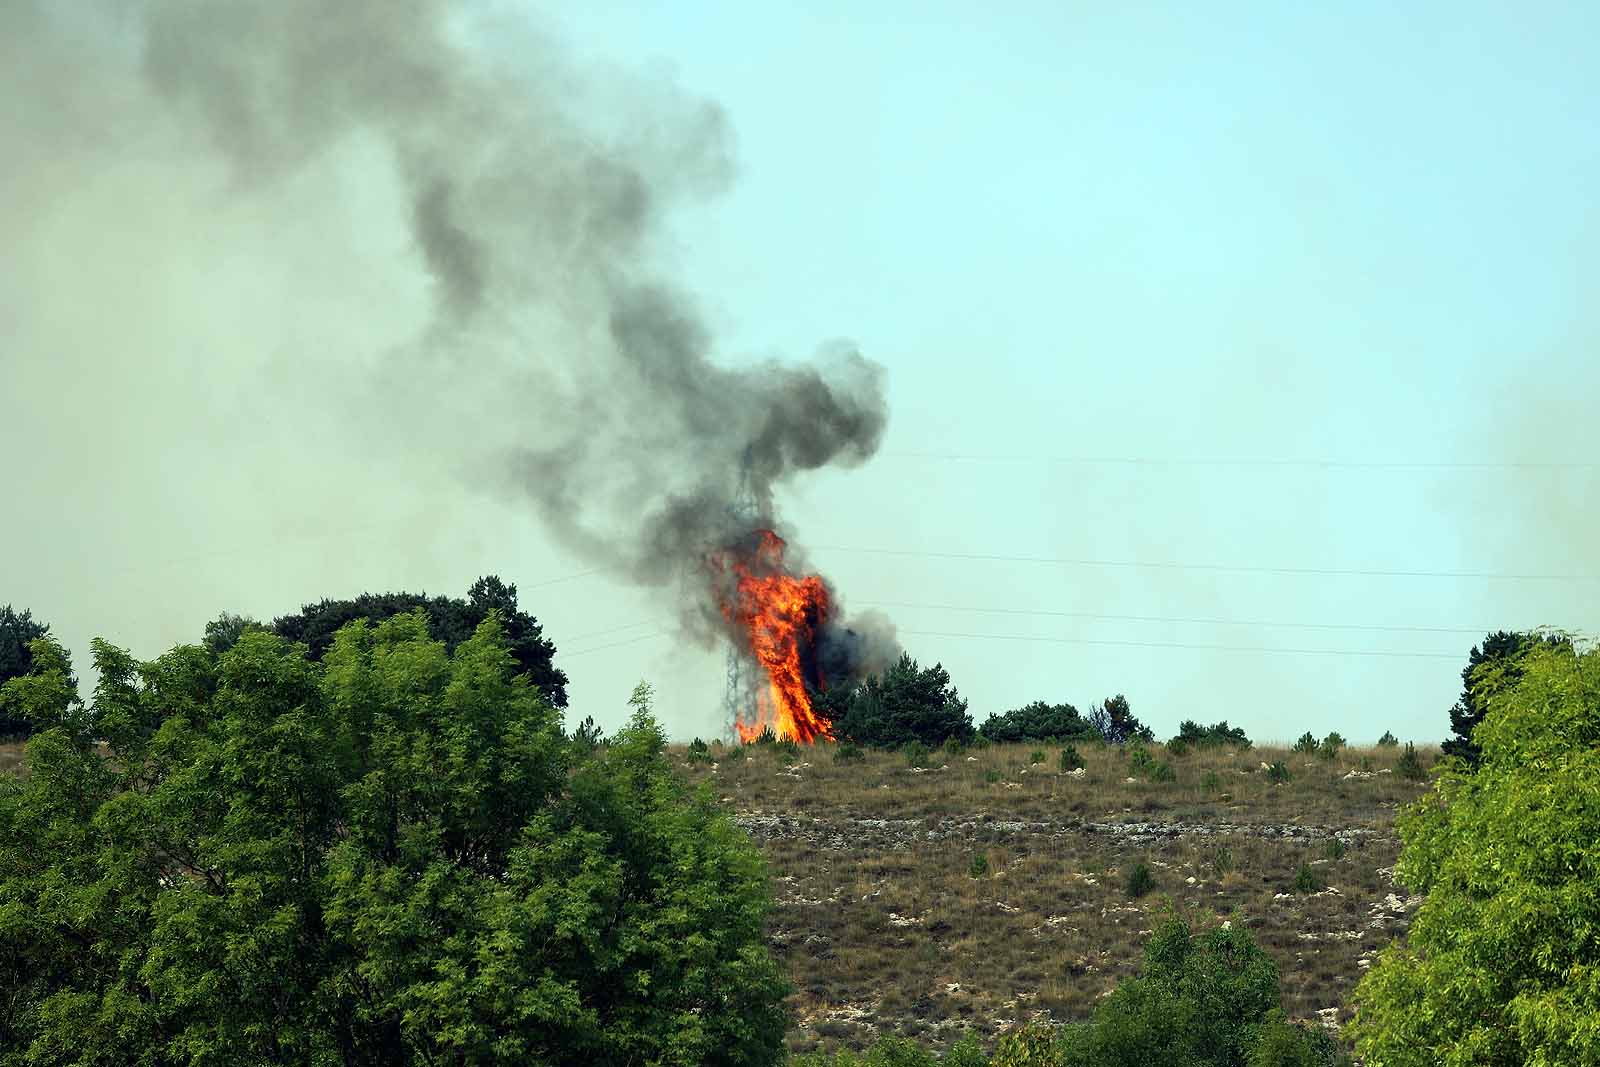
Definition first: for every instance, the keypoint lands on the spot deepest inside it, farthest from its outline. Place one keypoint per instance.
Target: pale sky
(1208, 332)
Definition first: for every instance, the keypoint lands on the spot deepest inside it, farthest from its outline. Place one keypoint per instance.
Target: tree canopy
(1501, 964)
(1038, 721)
(450, 619)
(391, 856)
(1114, 721)
(905, 703)
(17, 630)
(1218, 733)
(1491, 664)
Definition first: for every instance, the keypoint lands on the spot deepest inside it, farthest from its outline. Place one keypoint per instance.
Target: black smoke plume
(532, 193)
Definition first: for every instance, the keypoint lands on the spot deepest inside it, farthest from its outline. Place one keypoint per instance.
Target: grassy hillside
(986, 888)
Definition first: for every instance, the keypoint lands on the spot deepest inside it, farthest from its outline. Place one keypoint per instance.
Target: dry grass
(886, 924)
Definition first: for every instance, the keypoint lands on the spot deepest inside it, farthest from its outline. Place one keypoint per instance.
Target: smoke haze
(340, 265)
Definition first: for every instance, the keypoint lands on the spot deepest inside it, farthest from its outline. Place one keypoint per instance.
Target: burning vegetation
(775, 618)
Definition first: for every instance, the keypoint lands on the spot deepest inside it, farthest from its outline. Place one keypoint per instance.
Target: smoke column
(544, 358)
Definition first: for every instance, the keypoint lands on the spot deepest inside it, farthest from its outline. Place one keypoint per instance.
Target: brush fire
(776, 619)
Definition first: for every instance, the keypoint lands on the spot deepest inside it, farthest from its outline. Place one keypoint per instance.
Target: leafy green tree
(1207, 999)
(393, 856)
(1501, 964)
(18, 630)
(1492, 664)
(1115, 722)
(906, 703)
(1219, 733)
(224, 631)
(1037, 722)
(450, 619)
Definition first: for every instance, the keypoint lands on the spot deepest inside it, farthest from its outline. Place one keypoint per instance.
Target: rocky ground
(991, 888)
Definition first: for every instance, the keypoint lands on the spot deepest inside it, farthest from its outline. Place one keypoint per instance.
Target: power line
(1216, 567)
(1170, 461)
(1183, 619)
(614, 644)
(1178, 644)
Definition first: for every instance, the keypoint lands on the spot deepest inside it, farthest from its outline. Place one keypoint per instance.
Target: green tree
(1114, 721)
(1501, 964)
(906, 703)
(393, 856)
(1207, 999)
(1220, 733)
(18, 630)
(450, 619)
(1037, 722)
(1492, 664)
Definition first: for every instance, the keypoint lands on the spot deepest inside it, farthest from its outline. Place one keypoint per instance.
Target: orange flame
(778, 614)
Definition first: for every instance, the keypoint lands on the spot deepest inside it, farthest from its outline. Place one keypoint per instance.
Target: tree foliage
(450, 619)
(1218, 733)
(1203, 999)
(391, 856)
(18, 630)
(1114, 721)
(1501, 964)
(906, 703)
(1491, 665)
(1037, 722)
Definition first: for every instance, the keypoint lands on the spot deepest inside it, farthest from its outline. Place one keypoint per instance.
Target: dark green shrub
(1388, 740)
(699, 751)
(1163, 772)
(1278, 772)
(1218, 733)
(1070, 760)
(905, 703)
(1330, 746)
(991, 776)
(848, 752)
(1492, 667)
(1177, 747)
(1281, 1043)
(1114, 721)
(1307, 744)
(587, 735)
(979, 867)
(734, 753)
(1306, 880)
(1210, 782)
(1037, 722)
(1335, 848)
(1207, 999)
(1139, 880)
(916, 753)
(955, 746)
(1036, 756)
(1222, 861)
(1140, 762)
(1410, 765)
(765, 737)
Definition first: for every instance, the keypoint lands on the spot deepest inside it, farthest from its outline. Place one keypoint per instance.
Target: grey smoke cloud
(514, 333)
(301, 299)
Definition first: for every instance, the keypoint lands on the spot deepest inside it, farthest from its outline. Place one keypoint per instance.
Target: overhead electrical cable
(1185, 645)
(1204, 461)
(1196, 620)
(1239, 568)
